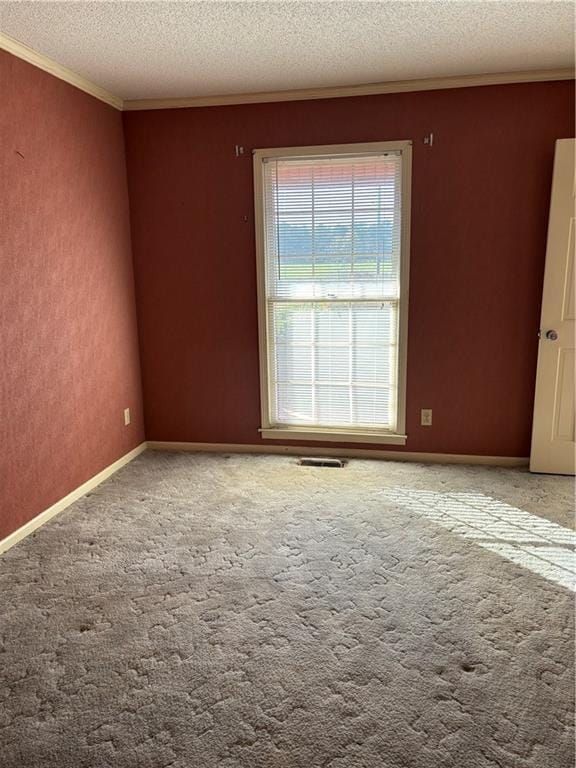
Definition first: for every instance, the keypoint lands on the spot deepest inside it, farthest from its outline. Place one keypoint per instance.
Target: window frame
(269, 430)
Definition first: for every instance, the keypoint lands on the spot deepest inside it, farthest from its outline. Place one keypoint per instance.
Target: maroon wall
(479, 216)
(68, 339)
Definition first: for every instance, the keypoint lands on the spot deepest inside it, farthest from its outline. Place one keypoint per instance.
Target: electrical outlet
(126, 416)
(426, 417)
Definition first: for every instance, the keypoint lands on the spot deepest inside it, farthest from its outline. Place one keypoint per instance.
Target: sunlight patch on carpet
(532, 542)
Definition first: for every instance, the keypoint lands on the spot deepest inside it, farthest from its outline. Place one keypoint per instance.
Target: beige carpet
(244, 612)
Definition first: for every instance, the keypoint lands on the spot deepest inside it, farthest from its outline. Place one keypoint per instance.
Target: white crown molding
(371, 89)
(77, 493)
(47, 64)
(62, 73)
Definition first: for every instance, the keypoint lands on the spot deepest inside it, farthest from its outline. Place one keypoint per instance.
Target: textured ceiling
(167, 49)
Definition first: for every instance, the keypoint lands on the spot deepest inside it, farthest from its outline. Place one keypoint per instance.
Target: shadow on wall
(527, 540)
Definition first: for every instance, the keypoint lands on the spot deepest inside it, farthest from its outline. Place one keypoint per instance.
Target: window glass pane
(332, 364)
(339, 357)
(294, 404)
(332, 226)
(333, 404)
(374, 323)
(332, 260)
(370, 405)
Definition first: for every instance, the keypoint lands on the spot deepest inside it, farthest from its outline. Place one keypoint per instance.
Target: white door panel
(553, 446)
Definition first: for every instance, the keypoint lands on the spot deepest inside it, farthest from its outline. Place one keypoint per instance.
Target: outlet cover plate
(426, 417)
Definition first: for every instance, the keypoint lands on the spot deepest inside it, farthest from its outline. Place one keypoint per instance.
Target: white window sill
(332, 435)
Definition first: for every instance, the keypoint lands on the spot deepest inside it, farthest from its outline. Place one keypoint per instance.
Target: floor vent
(321, 461)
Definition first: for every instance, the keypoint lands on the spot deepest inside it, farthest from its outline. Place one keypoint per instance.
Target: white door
(553, 447)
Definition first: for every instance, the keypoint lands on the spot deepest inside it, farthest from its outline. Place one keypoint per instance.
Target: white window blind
(332, 234)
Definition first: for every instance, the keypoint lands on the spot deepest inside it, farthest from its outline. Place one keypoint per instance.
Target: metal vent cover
(321, 461)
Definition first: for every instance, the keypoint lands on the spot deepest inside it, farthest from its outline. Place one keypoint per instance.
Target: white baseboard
(361, 453)
(293, 450)
(77, 493)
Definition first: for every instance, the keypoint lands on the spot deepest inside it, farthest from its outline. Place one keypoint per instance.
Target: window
(332, 228)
